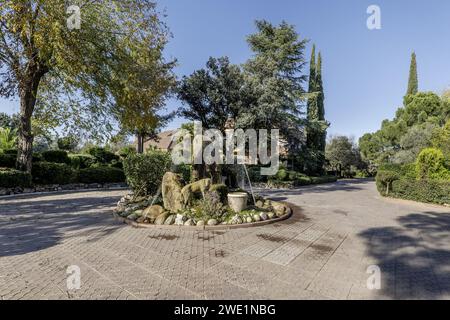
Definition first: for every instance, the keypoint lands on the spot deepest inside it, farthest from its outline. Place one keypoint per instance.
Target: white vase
(237, 201)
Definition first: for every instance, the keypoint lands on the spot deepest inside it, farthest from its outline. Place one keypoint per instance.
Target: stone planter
(237, 201)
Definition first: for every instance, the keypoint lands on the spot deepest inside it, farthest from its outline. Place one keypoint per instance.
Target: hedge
(431, 191)
(56, 156)
(11, 178)
(101, 175)
(81, 161)
(52, 173)
(102, 155)
(7, 160)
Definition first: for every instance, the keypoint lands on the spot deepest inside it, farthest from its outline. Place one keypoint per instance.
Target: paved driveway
(322, 252)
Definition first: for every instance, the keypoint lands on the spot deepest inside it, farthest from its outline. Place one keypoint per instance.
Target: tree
(316, 124)
(342, 153)
(68, 143)
(142, 81)
(9, 121)
(275, 75)
(214, 96)
(413, 83)
(49, 66)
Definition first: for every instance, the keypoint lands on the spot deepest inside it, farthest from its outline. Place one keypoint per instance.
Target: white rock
(263, 216)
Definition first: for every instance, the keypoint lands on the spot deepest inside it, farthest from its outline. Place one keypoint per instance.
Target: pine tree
(413, 83)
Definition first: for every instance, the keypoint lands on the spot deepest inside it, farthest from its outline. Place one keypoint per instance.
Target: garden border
(206, 227)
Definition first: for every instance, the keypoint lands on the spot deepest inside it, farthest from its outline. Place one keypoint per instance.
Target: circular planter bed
(140, 213)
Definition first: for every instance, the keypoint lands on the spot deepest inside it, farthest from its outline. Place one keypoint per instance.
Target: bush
(52, 173)
(144, 172)
(81, 161)
(185, 170)
(7, 160)
(56, 156)
(116, 164)
(102, 155)
(431, 191)
(11, 178)
(282, 175)
(222, 190)
(10, 151)
(254, 173)
(100, 175)
(211, 206)
(430, 164)
(384, 180)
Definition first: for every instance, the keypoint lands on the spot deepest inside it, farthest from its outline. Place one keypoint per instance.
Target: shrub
(10, 151)
(7, 160)
(144, 172)
(211, 206)
(282, 175)
(222, 190)
(102, 155)
(56, 156)
(254, 173)
(384, 180)
(185, 170)
(430, 164)
(116, 164)
(52, 173)
(81, 161)
(10, 178)
(431, 191)
(101, 175)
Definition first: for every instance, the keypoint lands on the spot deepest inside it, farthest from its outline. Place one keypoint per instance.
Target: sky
(365, 72)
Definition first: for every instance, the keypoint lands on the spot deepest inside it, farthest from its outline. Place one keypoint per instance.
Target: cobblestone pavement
(321, 253)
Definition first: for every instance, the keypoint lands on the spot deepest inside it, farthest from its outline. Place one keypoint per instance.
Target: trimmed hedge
(102, 155)
(56, 156)
(11, 178)
(7, 160)
(52, 173)
(431, 191)
(81, 161)
(100, 175)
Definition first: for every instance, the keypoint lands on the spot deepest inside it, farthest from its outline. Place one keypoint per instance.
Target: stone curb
(216, 227)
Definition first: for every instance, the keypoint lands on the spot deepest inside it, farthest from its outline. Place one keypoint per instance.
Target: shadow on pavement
(414, 258)
(79, 218)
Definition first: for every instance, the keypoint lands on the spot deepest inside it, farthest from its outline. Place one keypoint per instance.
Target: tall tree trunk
(140, 143)
(28, 93)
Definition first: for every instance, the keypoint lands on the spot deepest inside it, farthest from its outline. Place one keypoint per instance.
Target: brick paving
(321, 253)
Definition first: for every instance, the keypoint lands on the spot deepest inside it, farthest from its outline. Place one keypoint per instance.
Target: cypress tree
(321, 139)
(311, 106)
(413, 83)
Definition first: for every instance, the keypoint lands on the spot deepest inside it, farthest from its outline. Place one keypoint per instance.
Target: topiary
(81, 161)
(102, 155)
(56, 156)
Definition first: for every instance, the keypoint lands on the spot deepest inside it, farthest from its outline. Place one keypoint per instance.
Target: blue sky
(365, 72)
